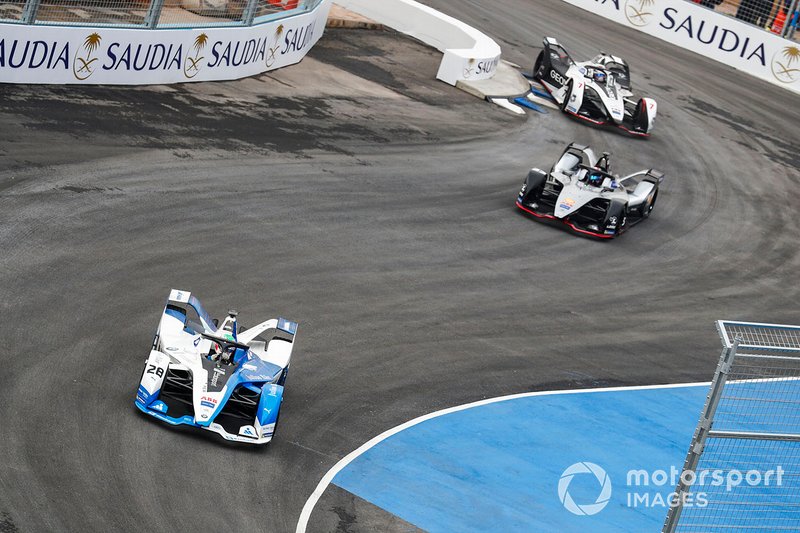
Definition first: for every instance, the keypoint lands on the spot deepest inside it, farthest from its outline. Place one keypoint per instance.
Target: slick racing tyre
(640, 119)
(537, 66)
(567, 96)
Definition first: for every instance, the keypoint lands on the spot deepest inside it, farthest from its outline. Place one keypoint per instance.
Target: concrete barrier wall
(468, 54)
(115, 56)
(714, 35)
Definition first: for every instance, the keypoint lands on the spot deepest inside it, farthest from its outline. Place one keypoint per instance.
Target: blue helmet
(599, 76)
(595, 179)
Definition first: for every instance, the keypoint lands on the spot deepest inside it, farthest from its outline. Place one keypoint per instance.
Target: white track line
(326, 480)
(506, 104)
(542, 101)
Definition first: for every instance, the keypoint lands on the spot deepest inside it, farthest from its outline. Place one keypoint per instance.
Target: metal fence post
(249, 12)
(701, 435)
(29, 12)
(153, 13)
(787, 26)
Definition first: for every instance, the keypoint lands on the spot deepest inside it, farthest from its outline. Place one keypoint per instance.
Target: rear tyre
(640, 121)
(537, 66)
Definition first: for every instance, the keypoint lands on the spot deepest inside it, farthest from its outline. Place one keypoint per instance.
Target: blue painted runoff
(496, 467)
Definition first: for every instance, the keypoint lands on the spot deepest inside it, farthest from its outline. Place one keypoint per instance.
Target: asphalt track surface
(358, 196)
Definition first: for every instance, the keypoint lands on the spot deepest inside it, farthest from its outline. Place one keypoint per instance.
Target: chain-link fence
(150, 13)
(778, 16)
(742, 471)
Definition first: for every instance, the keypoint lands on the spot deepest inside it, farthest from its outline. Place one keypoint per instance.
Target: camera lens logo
(585, 509)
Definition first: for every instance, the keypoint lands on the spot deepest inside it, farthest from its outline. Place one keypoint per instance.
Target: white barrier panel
(468, 53)
(115, 56)
(714, 35)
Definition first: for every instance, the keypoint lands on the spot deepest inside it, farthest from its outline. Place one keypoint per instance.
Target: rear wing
(552, 46)
(284, 330)
(652, 175)
(278, 336)
(582, 156)
(181, 299)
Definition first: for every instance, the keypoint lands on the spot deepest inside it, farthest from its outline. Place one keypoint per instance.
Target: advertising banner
(116, 56)
(714, 35)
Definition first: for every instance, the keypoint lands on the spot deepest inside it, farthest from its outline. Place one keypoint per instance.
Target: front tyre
(645, 115)
(275, 428)
(284, 375)
(623, 225)
(567, 96)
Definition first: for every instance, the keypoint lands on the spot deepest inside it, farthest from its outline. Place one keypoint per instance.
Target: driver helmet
(599, 76)
(595, 179)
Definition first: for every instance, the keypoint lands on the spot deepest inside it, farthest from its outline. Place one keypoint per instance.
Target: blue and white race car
(222, 378)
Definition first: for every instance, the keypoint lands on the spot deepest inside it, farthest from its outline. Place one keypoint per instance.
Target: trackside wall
(120, 56)
(724, 39)
(468, 53)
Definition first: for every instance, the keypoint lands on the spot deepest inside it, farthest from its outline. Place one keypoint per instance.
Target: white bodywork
(181, 350)
(613, 94)
(576, 192)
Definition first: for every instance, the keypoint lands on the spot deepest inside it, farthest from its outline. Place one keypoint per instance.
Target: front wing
(166, 392)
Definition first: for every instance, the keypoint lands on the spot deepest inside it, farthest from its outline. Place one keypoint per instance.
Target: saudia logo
(34, 54)
(708, 34)
(484, 66)
(468, 70)
(93, 53)
(237, 53)
(782, 63)
(274, 46)
(191, 66)
(638, 12)
(82, 67)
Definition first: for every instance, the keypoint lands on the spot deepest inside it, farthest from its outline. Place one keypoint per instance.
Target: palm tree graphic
(193, 63)
(274, 49)
(91, 44)
(639, 13)
(200, 42)
(792, 54)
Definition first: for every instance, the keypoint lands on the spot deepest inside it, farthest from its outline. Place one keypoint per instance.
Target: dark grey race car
(581, 192)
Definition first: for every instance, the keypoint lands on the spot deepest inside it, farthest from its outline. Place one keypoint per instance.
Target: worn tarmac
(374, 205)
